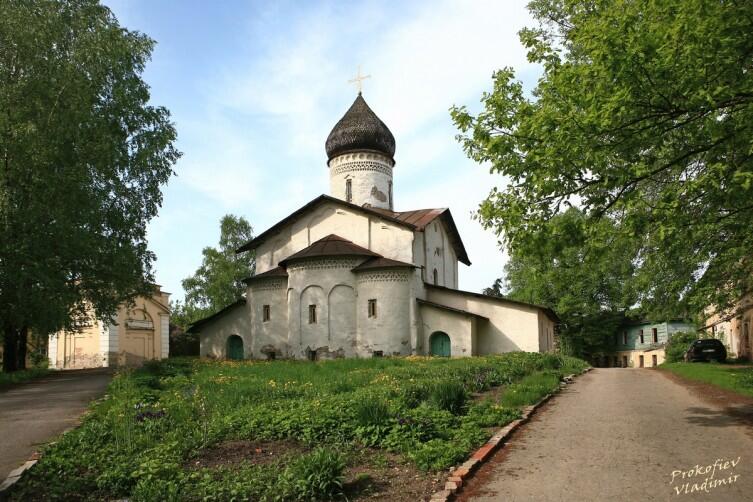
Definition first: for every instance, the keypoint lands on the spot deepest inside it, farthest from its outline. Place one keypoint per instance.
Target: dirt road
(624, 435)
(34, 413)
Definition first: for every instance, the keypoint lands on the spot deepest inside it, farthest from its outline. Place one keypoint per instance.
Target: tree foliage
(83, 157)
(590, 286)
(643, 116)
(218, 282)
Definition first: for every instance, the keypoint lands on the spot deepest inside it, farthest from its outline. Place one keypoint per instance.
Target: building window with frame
(641, 335)
(389, 194)
(372, 308)
(348, 190)
(312, 314)
(265, 313)
(654, 361)
(654, 336)
(436, 277)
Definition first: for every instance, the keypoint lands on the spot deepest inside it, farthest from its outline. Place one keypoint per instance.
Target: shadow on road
(725, 417)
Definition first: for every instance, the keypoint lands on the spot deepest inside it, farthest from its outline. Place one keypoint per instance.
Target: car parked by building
(708, 349)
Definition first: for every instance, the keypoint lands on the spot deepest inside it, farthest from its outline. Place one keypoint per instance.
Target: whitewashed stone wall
(270, 337)
(213, 336)
(383, 237)
(461, 328)
(324, 282)
(390, 331)
(370, 174)
(510, 328)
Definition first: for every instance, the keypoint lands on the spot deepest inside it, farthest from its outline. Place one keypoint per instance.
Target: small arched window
(436, 277)
(348, 190)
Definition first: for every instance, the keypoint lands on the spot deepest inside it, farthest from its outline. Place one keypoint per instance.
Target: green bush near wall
(678, 344)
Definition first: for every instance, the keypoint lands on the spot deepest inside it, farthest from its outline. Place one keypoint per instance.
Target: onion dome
(360, 129)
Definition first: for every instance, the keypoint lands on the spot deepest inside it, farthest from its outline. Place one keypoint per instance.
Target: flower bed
(147, 438)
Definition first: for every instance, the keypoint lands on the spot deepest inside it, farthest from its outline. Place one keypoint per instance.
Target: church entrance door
(235, 347)
(440, 344)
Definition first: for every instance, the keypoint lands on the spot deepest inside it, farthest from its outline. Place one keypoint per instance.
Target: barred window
(372, 308)
(312, 314)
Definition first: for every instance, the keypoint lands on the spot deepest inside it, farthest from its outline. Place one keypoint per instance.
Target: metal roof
(332, 245)
(275, 272)
(360, 129)
(381, 262)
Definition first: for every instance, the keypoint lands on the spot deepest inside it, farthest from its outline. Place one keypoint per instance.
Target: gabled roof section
(201, 322)
(380, 263)
(269, 274)
(449, 309)
(332, 245)
(298, 213)
(414, 220)
(549, 312)
(421, 218)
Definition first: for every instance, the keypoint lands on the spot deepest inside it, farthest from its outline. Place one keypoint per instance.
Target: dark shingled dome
(360, 129)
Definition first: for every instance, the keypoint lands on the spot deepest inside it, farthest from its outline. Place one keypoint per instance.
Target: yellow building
(734, 329)
(138, 332)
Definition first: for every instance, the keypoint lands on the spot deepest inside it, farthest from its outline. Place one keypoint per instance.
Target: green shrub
(315, 476)
(437, 454)
(488, 413)
(413, 395)
(678, 344)
(449, 395)
(530, 389)
(372, 411)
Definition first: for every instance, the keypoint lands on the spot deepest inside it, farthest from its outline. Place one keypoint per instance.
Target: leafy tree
(83, 157)
(678, 344)
(589, 286)
(218, 282)
(643, 116)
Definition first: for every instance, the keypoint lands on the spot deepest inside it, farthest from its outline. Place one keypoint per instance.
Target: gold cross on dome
(358, 79)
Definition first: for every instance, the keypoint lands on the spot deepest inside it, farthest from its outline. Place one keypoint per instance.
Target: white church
(347, 275)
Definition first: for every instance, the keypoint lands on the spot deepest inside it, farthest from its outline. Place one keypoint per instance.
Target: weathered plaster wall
(383, 237)
(437, 253)
(631, 358)
(371, 178)
(326, 283)
(213, 336)
(510, 328)
(390, 331)
(138, 332)
(269, 337)
(461, 328)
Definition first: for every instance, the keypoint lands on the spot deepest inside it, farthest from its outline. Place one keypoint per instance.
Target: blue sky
(255, 87)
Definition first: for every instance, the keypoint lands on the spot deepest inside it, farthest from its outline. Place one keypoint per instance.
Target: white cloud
(255, 144)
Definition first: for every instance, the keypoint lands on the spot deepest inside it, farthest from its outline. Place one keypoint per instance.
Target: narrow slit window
(265, 313)
(372, 308)
(390, 195)
(641, 336)
(349, 190)
(654, 335)
(312, 314)
(436, 277)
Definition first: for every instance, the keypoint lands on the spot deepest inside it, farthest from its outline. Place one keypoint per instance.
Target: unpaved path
(620, 434)
(34, 413)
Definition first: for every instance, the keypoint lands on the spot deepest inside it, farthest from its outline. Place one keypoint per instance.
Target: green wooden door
(235, 347)
(440, 344)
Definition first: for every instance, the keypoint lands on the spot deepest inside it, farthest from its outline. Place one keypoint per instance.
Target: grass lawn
(8, 379)
(186, 429)
(735, 377)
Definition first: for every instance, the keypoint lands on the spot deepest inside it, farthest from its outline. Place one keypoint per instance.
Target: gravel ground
(624, 435)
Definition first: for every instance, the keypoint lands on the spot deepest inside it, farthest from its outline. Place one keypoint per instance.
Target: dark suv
(709, 349)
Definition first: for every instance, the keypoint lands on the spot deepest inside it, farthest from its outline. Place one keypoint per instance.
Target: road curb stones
(465, 471)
